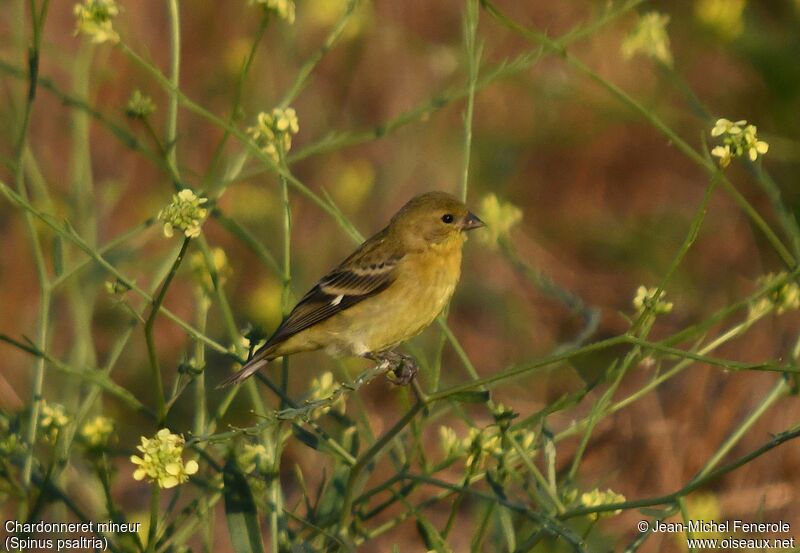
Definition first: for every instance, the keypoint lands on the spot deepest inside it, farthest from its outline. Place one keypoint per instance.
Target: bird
(387, 291)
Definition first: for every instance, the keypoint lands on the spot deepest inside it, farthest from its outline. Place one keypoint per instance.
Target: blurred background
(606, 201)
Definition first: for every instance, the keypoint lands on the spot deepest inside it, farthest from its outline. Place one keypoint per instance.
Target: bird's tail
(259, 361)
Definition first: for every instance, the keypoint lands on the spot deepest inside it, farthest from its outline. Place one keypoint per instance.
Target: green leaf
(471, 396)
(240, 511)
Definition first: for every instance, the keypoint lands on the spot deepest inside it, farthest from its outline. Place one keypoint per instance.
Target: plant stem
(155, 367)
(473, 52)
(174, 81)
(152, 530)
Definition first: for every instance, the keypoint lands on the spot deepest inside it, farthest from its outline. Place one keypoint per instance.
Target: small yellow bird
(392, 287)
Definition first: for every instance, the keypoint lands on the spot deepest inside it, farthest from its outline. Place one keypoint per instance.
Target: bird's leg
(403, 367)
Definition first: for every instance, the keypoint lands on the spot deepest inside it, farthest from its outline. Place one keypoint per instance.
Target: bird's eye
(448, 218)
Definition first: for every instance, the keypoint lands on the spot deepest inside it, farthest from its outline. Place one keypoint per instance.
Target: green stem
(473, 52)
(37, 385)
(552, 493)
(200, 400)
(37, 23)
(174, 81)
(287, 268)
(779, 390)
(152, 530)
(155, 367)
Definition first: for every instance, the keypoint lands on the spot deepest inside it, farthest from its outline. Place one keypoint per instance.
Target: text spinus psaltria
(392, 287)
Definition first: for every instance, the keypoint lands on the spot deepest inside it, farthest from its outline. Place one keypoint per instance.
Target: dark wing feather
(362, 275)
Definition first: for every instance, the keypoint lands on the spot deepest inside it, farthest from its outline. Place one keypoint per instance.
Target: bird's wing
(368, 271)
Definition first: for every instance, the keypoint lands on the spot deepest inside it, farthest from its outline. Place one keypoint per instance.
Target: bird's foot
(402, 368)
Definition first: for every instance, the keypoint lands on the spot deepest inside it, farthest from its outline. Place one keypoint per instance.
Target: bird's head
(434, 217)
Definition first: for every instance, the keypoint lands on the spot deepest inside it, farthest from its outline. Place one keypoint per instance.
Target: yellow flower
(595, 498)
(752, 144)
(783, 298)
(184, 213)
(526, 439)
(282, 8)
(738, 138)
(482, 443)
(97, 431)
(275, 128)
(10, 442)
(649, 38)
(726, 126)
(724, 17)
(139, 106)
(94, 20)
(500, 218)
(451, 445)
(724, 154)
(646, 299)
(52, 418)
(161, 460)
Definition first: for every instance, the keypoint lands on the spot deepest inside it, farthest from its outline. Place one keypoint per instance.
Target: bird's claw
(402, 368)
(405, 370)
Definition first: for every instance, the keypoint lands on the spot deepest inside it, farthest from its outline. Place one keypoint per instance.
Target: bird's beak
(471, 221)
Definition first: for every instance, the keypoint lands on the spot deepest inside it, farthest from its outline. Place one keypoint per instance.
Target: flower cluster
(94, 20)
(500, 218)
(649, 38)
(98, 431)
(184, 213)
(738, 139)
(139, 106)
(480, 444)
(273, 130)
(782, 298)
(10, 442)
(161, 460)
(282, 8)
(646, 299)
(323, 388)
(595, 498)
(52, 418)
